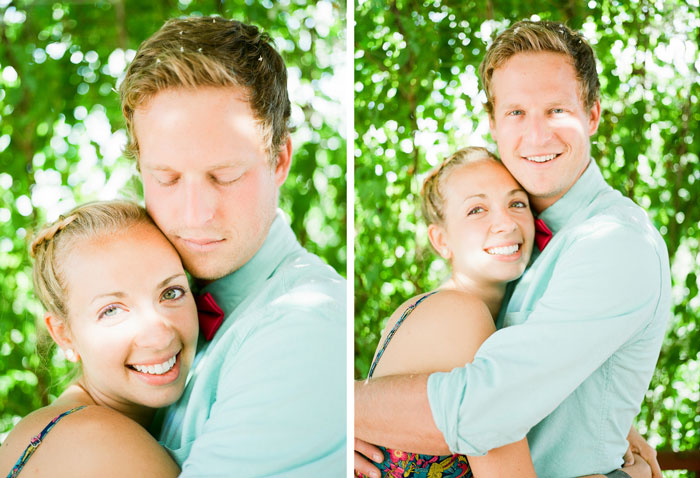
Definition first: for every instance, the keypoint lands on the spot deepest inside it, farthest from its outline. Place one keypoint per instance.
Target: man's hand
(640, 447)
(363, 465)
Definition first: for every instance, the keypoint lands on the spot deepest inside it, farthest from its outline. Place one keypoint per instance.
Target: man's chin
(205, 269)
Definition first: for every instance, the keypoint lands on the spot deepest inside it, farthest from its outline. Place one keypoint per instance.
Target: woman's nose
(155, 331)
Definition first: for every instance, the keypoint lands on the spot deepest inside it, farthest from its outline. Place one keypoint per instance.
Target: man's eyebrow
(511, 106)
(167, 281)
(159, 168)
(548, 104)
(213, 168)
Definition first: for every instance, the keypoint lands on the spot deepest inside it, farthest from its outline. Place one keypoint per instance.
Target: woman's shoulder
(443, 309)
(92, 439)
(440, 332)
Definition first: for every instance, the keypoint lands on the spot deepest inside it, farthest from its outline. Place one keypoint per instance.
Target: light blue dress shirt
(580, 338)
(267, 396)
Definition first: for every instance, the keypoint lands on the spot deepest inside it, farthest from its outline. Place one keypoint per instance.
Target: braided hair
(56, 240)
(433, 195)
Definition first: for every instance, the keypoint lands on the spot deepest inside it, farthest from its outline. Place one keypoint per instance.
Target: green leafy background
(418, 98)
(61, 135)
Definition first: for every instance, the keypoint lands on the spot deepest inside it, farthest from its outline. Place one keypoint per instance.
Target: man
(206, 106)
(580, 335)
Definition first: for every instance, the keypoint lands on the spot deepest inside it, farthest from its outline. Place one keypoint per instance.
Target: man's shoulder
(302, 285)
(305, 272)
(614, 218)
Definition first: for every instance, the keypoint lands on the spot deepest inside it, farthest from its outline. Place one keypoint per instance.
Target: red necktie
(542, 234)
(210, 315)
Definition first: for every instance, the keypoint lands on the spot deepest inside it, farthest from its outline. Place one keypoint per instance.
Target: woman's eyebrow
(117, 294)
(170, 279)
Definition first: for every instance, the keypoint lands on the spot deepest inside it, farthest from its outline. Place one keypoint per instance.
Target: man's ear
(61, 334)
(438, 238)
(594, 118)
(284, 162)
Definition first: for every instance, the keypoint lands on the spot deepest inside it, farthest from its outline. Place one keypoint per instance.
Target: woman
(480, 221)
(118, 303)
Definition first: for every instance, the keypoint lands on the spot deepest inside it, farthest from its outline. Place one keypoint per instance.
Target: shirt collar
(581, 194)
(230, 290)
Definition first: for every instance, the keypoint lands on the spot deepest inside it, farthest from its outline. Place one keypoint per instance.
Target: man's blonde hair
(54, 241)
(433, 193)
(210, 52)
(542, 36)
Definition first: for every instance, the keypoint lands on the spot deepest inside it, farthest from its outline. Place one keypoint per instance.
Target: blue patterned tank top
(36, 441)
(399, 464)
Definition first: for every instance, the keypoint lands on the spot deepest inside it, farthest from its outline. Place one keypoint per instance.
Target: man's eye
(475, 210)
(165, 180)
(225, 180)
(557, 110)
(173, 293)
(515, 113)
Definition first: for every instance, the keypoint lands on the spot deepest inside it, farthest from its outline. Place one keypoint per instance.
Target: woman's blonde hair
(433, 204)
(52, 243)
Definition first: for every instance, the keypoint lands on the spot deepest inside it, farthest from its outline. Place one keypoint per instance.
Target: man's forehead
(543, 76)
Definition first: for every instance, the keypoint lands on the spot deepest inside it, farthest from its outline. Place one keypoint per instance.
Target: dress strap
(398, 323)
(36, 441)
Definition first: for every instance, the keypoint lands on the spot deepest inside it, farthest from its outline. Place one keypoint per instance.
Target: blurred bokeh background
(418, 98)
(61, 137)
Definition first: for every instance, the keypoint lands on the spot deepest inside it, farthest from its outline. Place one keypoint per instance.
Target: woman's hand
(637, 469)
(363, 452)
(639, 446)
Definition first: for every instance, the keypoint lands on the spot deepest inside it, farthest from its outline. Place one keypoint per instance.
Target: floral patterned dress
(399, 464)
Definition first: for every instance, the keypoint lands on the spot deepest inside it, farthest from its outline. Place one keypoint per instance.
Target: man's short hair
(542, 36)
(210, 52)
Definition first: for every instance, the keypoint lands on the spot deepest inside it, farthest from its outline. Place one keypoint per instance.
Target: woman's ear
(438, 238)
(60, 333)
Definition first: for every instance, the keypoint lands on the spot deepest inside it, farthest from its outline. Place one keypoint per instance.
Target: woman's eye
(515, 113)
(475, 210)
(520, 204)
(557, 110)
(109, 311)
(173, 293)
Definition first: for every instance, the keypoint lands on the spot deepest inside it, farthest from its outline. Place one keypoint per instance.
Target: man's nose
(199, 203)
(538, 131)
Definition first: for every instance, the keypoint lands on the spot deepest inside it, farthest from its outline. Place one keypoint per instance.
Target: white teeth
(158, 369)
(541, 159)
(503, 251)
